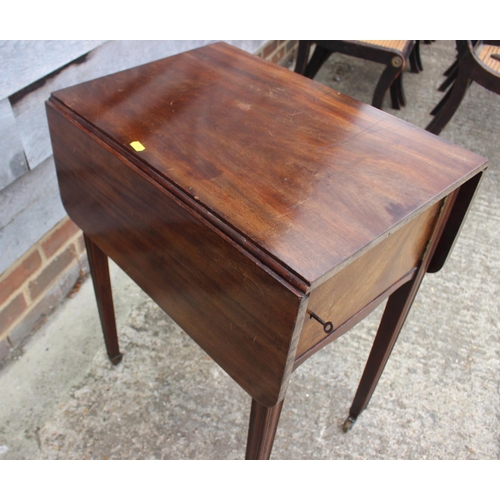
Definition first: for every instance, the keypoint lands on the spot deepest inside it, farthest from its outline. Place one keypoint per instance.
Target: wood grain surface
(245, 317)
(311, 177)
(354, 287)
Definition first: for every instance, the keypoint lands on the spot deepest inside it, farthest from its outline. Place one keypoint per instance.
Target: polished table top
(308, 176)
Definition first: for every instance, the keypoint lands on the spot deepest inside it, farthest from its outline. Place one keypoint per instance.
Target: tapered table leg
(99, 270)
(262, 430)
(396, 311)
(399, 303)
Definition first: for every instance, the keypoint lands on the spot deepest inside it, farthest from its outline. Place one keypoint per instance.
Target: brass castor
(348, 423)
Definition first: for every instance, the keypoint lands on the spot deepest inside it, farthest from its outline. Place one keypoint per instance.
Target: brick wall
(32, 287)
(36, 283)
(281, 52)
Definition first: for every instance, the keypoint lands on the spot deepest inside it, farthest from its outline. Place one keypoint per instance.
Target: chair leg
(388, 76)
(302, 56)
(392, 322)
(394, 96)
(440, 104)
(445, 109)
(262, 430)
(450, 78)
(99, 270)
(318, 58)
(415, 61)
(402, 97)
(452, 68)
(398, 98)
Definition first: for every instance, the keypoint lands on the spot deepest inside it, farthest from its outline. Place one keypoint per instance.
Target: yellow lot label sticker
(137, 146)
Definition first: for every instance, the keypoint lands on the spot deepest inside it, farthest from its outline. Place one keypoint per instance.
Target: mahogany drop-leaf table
(264, 212)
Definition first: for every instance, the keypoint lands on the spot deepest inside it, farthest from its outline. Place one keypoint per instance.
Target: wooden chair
(395, 54)
(451, 75)
(477, 61)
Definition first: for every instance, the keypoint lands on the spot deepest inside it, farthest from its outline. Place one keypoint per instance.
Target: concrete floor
(438, 398)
